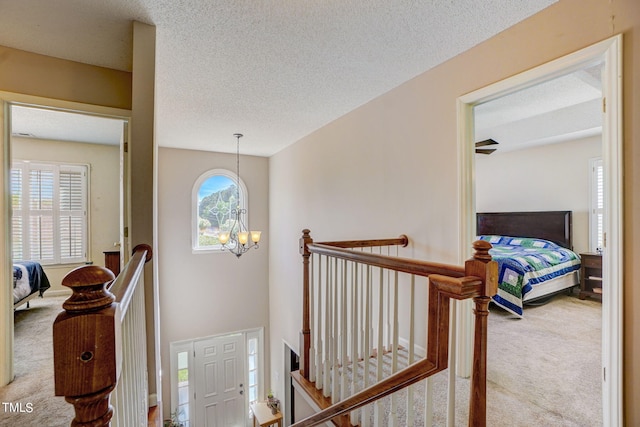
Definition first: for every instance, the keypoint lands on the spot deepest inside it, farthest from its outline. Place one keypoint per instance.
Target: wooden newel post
(481, 266)
(305, 334)
(86, 346)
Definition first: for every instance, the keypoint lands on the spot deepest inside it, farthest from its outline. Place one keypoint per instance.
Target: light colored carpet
(543, 370)
(33, 383)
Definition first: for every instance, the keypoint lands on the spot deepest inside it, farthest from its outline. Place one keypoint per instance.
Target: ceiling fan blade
(485, 150)
(486, 142)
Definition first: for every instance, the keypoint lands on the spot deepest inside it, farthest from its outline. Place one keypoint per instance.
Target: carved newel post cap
(304, 241)
(88, 284)
(481, 248)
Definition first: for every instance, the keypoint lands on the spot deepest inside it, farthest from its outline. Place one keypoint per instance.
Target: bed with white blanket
(533, 251)
(29, 281)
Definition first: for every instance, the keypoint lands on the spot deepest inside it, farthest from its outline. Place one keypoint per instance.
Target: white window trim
(57, 167)
(244, 201)
(175, 348)
(259, 335)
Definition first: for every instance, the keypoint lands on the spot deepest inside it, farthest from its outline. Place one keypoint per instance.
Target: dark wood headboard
(549, 225)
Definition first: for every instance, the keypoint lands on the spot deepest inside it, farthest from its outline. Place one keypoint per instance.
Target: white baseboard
(419, 351)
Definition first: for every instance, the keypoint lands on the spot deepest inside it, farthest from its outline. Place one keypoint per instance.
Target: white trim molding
(7, 99)
(609, 53)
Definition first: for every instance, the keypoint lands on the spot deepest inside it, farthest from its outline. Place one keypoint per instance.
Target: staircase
(359, 297)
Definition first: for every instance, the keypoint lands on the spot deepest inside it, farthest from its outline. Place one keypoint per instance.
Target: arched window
(215, 196)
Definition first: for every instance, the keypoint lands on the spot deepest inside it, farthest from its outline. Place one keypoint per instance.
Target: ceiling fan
(485, 143)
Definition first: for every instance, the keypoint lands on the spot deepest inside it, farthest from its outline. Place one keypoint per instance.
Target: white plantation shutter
(596, 213)
(72, 213)
(49, 212)
(40, 195)
(17, 214)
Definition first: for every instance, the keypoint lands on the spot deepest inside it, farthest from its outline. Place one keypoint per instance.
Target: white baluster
(451, 398)
(378, 410)
(367, 288)
(320, 328)
(411, 350)
(428, 402)
(312, 325)
(335, 382)
(393, 416)
(344, 328)
(326, 390)
(354, 339)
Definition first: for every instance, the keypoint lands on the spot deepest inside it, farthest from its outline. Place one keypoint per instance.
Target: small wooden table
(262, 415)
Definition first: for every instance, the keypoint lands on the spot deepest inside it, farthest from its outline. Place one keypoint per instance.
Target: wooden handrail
(122, 288)
(477, 280)
(403, 241)
(405, 265)
(87, 348)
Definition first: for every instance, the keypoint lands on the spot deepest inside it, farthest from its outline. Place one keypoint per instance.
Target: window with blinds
(49, 212)
(596, 213)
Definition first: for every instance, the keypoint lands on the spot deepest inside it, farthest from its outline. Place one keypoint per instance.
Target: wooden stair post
(305, 334)
(483, 267)
(86, 340)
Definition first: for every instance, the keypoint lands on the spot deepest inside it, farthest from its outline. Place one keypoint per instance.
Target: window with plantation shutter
(16, 219)
(596, 213)
(49, 212)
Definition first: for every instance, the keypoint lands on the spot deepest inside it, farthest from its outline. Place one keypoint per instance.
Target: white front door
(219, 379)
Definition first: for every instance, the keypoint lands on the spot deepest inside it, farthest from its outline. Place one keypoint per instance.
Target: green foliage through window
(217, 198)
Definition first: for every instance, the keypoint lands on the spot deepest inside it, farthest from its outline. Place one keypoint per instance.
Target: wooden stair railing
(88, 337)
(477, 280)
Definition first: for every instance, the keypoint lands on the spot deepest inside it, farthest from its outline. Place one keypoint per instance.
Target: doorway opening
(291, 364)
(609, 54)
(57, 147)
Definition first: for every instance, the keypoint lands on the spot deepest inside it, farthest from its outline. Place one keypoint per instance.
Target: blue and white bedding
(28, 278)
(524, 263)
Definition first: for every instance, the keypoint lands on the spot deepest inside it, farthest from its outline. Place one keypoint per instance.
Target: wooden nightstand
(590, 275)
(112, 261)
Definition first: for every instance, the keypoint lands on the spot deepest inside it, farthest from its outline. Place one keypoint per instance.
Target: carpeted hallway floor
(32, 390)
(543, 370)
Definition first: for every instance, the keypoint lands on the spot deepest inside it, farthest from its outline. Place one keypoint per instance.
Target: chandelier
(238, 239)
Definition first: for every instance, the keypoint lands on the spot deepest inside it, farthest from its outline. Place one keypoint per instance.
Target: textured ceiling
(567, 107)
(273, 70)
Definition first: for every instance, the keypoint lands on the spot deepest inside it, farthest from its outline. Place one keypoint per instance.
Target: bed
(534, 255)
(29, 281)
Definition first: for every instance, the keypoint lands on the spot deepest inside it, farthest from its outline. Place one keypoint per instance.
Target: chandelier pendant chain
(238, 239)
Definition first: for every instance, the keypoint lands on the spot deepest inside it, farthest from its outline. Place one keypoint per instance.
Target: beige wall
(28, 73)
(104, 204)
(390, 166)
(24, 73)
(546, 178)
(204, 294)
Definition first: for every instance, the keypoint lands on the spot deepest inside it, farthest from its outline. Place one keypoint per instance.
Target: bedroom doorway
(34, 121)
(608, 53)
